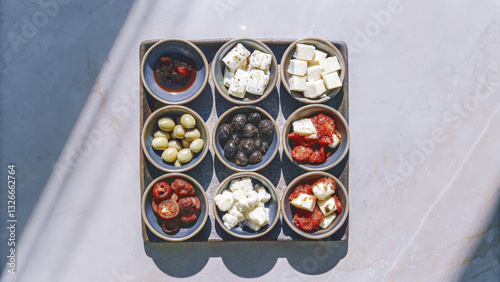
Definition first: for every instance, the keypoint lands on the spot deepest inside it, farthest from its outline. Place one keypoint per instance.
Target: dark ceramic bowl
(274, 206)
(151, 219)
(322, 45)
(219, 148)
(174, 46)
(289, 210)
(338, 154)
(151, 126)
(218, 70)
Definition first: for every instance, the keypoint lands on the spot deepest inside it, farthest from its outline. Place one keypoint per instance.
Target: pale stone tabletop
(424, 161)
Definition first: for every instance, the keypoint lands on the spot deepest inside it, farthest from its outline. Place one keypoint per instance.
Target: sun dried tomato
(301, 189)
(170, 226)
(182, 188)
(318, 156)
(338, 204)
(174, 197)
(308, 221)
(189, 205)
(301, 153)
(189, 217)
(299, 139)
(325, 127)
(154, 204)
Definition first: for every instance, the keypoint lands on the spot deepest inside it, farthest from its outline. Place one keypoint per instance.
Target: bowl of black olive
(246, 138)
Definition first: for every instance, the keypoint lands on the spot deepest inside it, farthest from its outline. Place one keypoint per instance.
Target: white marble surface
(424, 161)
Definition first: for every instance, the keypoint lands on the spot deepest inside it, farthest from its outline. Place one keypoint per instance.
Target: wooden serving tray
(210, 172)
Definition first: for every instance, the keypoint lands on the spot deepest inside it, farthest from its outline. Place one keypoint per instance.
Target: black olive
(266, 127)
(225, 132)
(230, 149)
(264, 147)
(250, 130)
(239, 122)
(257, 143)
(255, 157)
(235, 137)
(241, 159)
(246, 146)
(254, 118)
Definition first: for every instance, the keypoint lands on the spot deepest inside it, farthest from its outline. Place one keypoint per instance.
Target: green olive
(166, 123)
(177, 163)
(175, 144)
(185, 155)
(178, 132)
(159, 143)
(185, 143)
(197, 145)
(169, 155)
(161, 133)
(178, 120)
(188, 121)
(192, 134)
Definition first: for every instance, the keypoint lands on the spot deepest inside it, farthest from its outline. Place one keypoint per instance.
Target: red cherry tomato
(170, 226)
(161, 191)
(168, 209)
(174, 197)
(154, 205)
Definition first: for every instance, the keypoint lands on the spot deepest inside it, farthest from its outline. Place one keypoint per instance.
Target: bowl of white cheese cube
(312, 70)
(331, 202)
(244, 71)
(246, 205)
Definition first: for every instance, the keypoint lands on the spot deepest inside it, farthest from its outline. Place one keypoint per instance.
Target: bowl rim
(284, 75)
(200, 53)
(183, 168)
(270, 85)
(219, 154)
(251, 175)
(294, 183)
(325, 108)
(168, 176)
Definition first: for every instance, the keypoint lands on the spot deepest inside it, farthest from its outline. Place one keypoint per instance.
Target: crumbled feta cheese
(313, 73)
(314, 89)
(252, 225)
(258, 215)
(304, 52)
(234, 211)
(224, 201)
(260, 60)
(236, 57)
(297, 83)
(297, 67)
(258, 82)
(264, 197)
(332, 80)
(329, 65)
(229, 220)
(241, 184)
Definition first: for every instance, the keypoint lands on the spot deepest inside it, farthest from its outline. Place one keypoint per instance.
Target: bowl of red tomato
(316, 137)
(175, 207)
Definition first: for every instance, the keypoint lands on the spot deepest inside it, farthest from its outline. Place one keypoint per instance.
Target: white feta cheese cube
(227, 82)
(332, 80)
(234, 211)
(224, 201)
(313, 73)
(236, 57)
(327, 206)
(314, 89)
(258, 215)
(304, 126)
(327, 221)
(304, 52)
(304, 201)
(260, 60)
(323, 189)
(252, 225)
(258, 82)
(336, 141)
(329, 65)
(239, 84)
(229, 221)
(264, 197)
(318, 56)
(297, 67)
(297, 83)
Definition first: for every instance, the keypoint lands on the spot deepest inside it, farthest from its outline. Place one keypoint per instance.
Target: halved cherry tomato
(161, 191)
(168, 209)
(174, 197)
(154, 204)
(170, 226)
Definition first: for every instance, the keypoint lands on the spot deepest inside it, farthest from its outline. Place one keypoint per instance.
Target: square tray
(210, 172)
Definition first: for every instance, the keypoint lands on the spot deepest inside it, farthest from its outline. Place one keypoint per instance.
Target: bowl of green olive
(174, 139)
